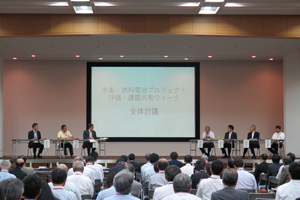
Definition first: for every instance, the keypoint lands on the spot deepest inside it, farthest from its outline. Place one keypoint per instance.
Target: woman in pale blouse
(63, 135)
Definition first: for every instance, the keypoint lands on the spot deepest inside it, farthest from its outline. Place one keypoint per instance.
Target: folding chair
(85, 197)
(254, 196)
(262, 177)
(150, 194)
(272, 179)
(193, 191)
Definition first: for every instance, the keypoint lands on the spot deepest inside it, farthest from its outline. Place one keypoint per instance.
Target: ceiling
(146, 47)
(245, 7)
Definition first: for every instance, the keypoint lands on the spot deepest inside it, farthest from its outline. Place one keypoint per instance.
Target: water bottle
(105, 165)
(218, 137)
(30, 164)
(50, 165)
(57, 163)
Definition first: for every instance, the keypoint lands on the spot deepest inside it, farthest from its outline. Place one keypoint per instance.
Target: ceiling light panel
(83, 9)
(190, 4)
(216, 1)
(59, 4)
(234, 5)
(103, 4)
(209, 10)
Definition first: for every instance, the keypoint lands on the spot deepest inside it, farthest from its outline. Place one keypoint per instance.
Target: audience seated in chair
(174, 161)
(261, 168)
(158, 179)
(246, 180)
(284, 177)
(136, 186)
(32, 186)
(199, 173)
(188, 169)
(149, 171)
(17, 171)
(111, 190)
(273, 169)
(137, 166)
(86, 172)
(5, 166)
(11, 189)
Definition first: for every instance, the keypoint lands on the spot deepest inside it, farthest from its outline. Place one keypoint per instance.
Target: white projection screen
(144, 101)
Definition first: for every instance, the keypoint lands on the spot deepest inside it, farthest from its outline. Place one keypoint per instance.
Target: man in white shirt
(182, 187)
(149, 171)
(100, 167)
(207, 135)
(246, 180)
(147, 164)
(290, 190)
(4, 174)
(111, 190)
(278, 135)
(158, 179)
(83, 183)
(213, 183)
(167, 190)
(188, 169)
(96, 172)
(59, 178)
(87, 172)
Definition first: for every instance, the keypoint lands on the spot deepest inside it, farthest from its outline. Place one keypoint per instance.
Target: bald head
(162, 164)
(78, 158)
(20, 162)
(63, 167)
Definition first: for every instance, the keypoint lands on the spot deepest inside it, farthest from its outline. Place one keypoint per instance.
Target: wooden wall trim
(269, 26)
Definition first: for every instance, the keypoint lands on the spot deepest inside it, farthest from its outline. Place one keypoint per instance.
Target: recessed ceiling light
(83, 9)
(166, 56)
(15, 58)
(214, 1)
(32, 56)
(100, 58)
(209, 56)
(209, 10)
(271, 59)
(59, 4)
(234, 5)
(186, 58)
(253, 56)
(77, 56)
(190, 4)
(121, 56)
(103, 4)
(81, 0)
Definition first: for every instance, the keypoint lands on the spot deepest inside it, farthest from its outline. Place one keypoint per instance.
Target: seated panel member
(278, 135)
(35, 134)
(63, 135)
(207, 135)
(227, 144)
(89, 134)
(252, 136)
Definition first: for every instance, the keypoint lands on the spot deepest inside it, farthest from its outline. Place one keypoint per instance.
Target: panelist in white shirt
(64, 134)
(188, 168)
(207, 135)
(278, 135)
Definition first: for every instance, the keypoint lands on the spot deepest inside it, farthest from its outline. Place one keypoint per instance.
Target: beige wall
(54, 92)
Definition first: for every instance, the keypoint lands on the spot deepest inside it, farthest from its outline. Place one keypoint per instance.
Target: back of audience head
(131, 157)
(24, 158)
(174, 155)
(32, 186)
(207, 169)
(63, 167)
(200, 165)
(182, 183)
(78, 166)
(59, 177)
(124, 157)
(264, 157)
(171, 171)
(110, 179)
(155, 166)
(217, 167)
(123, 181)
(90, 159)
(94, 154)
(230, 177)
(79, 158)
(46, 193)
(20, 163)
(275, 158)
(147, 157)
(162, 164)
(204, 157)
(287, 160)
(120, 161)
(294, 171)
(212, 158)
(13, 161)
(238, 163)
(12, 189)
(130, 167)
(5, 165)
(292, 156)
(188, 159)
(230, 163)
(153, 158)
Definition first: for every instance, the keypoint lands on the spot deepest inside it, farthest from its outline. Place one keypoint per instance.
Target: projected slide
(143, 102)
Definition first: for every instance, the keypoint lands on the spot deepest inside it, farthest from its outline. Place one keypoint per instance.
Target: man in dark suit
(229, 135)
(252, 136)
(137, 166)
(273, 169)
(199, 173)
(174, 161)
(17, 170)
(230, 178)
(89, 134)
(35, 134)
(261, 168)
(119, 166)
(284, 177)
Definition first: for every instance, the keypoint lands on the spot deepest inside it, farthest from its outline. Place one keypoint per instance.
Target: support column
(291, 73)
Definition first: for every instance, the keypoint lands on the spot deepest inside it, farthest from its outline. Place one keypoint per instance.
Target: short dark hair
(217, 167)
(155, 166)
(231, 127)
(89, 159)
(110, 179)
(230, 163)
(212, 158)
(174, 155)
(32, 186)
(34, 125)
(119, 160)
(94, 154)
(238, 162)
(11, 189)
(287, 160)
(279, 127)
(131, 156)
(23, 157)
(90, 125)
(124, 157)
(58, 176)
(264, 156)
(207, 168)
(275, 158)
(13, 160)
(292, 156)
(188, 159)
(171, 172)
(19, 164)
(63, 126)
(294, 170)
(162, 164)
(230, 177)
(147, 156)
(154, 157)
(200, 164)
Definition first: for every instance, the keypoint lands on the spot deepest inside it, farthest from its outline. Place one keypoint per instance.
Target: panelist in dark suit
(89, 134)
(35, 134)
(227, 144)
(252, 136)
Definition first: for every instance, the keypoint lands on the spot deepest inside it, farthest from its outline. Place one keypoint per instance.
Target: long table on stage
(58, 148)
(237, 143)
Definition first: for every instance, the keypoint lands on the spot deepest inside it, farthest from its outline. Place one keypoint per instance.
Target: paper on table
(92, 140)
(75, 144)
(200, 143)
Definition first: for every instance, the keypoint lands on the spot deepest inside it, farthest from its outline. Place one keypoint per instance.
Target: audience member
(158, 179)
(284, 177)
(230, 163)
(11, 189)
(246, 180)
(207, 169)
(273, 169)
(4, 174)
(32, 186)
(204, 157)
(261, 168)
(13, 162)
(86, 172)
(96, 172)
(27, 170)
(149, 171)
(212, 184)
(174, 161)
(199, 173)
(230, 179)
(120, 163)
(156, 167)
(188, 169)
(94, 154)
(111, 190)
(212, 158)
(136, 186)
(137, 166)
(46, 193)
(17, 171)
(147, 164)
(125, 158)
